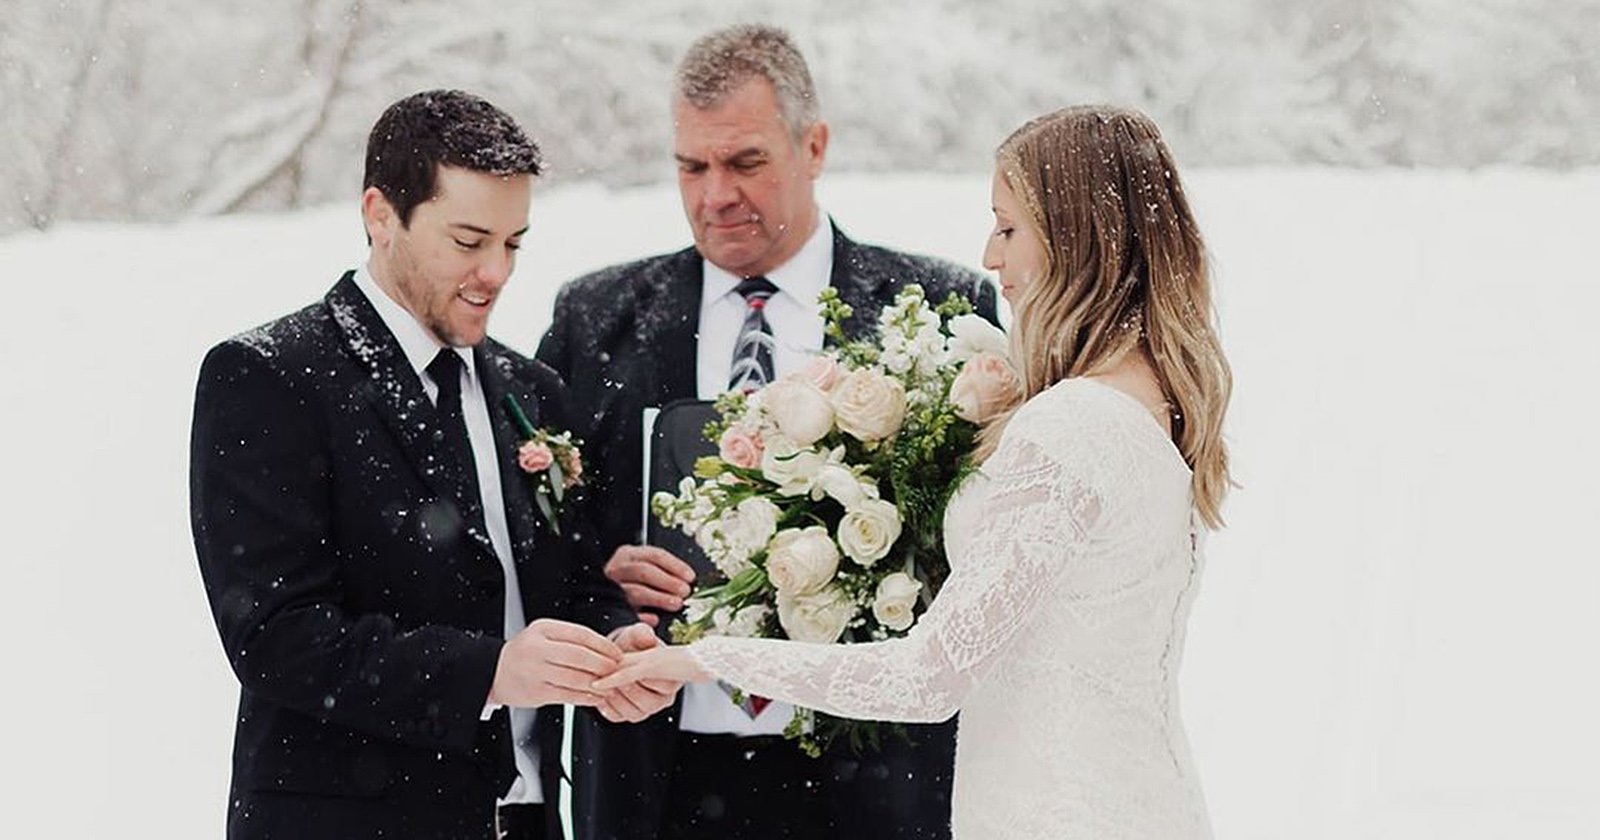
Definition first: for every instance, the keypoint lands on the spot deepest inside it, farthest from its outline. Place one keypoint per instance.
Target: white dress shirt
(420, 347)
(797, 329)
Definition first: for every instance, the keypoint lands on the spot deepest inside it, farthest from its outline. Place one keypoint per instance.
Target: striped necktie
(752, 353)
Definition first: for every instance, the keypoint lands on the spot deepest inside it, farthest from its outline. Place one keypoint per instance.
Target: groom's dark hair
(417, 134)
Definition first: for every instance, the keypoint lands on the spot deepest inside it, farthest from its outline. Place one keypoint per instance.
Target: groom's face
(449, 264)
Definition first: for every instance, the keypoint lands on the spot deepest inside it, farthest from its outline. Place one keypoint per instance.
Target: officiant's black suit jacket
(624, 339)
(358, 598)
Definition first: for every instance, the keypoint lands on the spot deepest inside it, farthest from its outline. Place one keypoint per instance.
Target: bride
(1075, 549)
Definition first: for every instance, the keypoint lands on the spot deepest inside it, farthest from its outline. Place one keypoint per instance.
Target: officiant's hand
(651, 578)
(553, 661)
(636, 701)
(662, 663)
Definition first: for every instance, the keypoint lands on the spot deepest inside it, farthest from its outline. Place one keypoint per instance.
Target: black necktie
(445, 371)
(752, 353)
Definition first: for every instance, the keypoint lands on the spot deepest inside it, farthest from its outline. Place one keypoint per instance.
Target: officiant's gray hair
(724, 60)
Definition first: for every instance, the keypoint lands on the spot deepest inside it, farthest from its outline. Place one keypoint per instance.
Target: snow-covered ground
(1396, 635)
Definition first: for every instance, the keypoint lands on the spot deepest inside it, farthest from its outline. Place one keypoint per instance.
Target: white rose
(755, 521)
(802, 560)
(971, 334)
(799, 409)
(869, 405)
(868, 531)
(896, 598)
(818, 617)
(790, 467)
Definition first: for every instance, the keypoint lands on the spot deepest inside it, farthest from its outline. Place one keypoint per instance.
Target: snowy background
(1395, 638)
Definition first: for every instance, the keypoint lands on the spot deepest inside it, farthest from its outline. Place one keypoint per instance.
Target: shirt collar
(418, 345)
(803, 277)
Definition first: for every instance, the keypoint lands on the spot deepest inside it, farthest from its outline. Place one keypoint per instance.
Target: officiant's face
(746, 183)
(1014, 249)
(449, 264)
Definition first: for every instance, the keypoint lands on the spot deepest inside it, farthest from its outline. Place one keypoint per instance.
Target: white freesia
(730, 555)
(754, 522)
(971, 334)
(898, 359)
(841, 484)
(695, 609)
(868, 405)
(744, 624)
(895, 601)
(799, 409)
(868, 531)
(818, 617)
(802, 560)
(928, 349)
(791, 467)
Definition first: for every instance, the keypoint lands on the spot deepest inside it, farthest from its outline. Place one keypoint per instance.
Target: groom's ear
(378, 216)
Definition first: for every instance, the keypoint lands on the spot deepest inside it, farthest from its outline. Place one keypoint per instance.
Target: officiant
(734, 311)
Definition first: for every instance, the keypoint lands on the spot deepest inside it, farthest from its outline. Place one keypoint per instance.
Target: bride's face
(1015, 250)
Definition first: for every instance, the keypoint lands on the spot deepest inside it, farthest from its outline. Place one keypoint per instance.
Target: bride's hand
(662, 664)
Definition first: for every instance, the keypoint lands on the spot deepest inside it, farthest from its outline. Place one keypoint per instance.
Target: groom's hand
(651, 578)
(636, 701)
(553, 661)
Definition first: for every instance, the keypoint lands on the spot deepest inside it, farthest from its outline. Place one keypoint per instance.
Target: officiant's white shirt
(420, 347)
(797, 330)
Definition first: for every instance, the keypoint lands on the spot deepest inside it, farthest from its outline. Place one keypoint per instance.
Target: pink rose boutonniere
(554, 461)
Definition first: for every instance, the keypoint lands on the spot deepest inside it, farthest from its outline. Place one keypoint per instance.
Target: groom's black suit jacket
(358, 597)
(625, 338)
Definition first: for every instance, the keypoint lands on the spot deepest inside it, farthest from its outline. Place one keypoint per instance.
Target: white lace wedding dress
(1058, 635)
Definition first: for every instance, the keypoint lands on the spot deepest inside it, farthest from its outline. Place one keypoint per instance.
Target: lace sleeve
(1039, 513)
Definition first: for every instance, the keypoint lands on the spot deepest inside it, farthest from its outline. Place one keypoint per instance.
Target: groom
(370, 546)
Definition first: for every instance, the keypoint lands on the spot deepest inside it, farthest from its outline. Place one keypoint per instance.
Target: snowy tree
(163, 107)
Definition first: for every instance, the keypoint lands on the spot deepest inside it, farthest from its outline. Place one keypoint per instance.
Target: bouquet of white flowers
(825, 503)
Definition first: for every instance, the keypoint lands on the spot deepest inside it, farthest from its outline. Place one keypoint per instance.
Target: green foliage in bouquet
(824, 506)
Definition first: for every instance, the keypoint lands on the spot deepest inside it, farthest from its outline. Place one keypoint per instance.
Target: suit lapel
(667, 324)
(858, 288)
(521, 516)
(395, 392)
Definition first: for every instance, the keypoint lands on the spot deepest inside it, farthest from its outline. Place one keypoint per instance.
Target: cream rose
(971, 335)
(896, 601)
(741, 447)
(869, 405)
(802, 560)
(868, 531)
(984, 387)
(818, 617)
(823, 372)
(799, 409)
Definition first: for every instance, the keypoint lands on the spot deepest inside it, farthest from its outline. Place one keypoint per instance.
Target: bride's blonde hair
(1125, 266)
